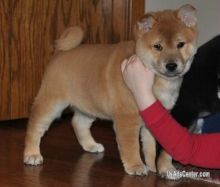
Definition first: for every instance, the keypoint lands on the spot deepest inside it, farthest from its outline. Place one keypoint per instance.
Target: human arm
(139, 80)
(199, 150)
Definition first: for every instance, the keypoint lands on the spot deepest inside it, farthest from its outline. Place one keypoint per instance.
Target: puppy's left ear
(187, 14)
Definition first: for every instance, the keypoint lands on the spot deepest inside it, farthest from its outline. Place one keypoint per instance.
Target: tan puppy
(88, 78)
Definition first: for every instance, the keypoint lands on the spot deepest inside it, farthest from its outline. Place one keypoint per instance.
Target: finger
(132, 59)
(135, 59)
(139, 62)
(123, 65)
(134, 56)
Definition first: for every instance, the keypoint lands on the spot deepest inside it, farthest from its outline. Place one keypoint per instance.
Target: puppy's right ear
(144, 25)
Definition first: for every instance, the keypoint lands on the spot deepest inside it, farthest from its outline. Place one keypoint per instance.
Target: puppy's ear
(187, 14)
(144, 25)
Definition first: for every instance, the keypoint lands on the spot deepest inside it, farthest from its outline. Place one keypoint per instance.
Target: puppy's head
(166, 41)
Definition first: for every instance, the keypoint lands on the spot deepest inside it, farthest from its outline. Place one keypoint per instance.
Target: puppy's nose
(171, 66)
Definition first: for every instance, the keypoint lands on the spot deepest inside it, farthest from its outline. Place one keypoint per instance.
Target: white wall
(208, 12)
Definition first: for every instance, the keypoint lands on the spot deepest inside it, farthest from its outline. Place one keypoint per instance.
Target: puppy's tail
(70, 38)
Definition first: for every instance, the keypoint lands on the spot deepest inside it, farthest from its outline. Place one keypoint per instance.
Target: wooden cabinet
(29, 28)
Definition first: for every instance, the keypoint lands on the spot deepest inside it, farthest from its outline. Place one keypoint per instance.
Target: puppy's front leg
(149, 148)
(127, 128)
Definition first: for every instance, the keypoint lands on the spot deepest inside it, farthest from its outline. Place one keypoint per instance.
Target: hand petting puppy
(139, 80)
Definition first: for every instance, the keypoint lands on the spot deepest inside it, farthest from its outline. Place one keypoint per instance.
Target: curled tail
(70, 38)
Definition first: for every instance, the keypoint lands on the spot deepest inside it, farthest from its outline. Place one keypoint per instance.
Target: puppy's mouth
(169, 75)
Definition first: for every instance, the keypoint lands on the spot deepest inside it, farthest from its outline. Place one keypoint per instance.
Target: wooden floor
(66, 164)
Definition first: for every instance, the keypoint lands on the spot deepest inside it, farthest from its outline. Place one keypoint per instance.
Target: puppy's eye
(158, 47)
(180, 45)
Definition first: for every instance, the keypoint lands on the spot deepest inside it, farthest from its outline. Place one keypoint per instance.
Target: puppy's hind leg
(45, 109)
(165, 166)
(81, 124)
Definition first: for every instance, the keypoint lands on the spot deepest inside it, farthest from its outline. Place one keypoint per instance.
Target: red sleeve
(201, 150)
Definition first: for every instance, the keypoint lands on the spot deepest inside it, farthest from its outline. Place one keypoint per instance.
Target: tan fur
(68, 39)
(88, 78)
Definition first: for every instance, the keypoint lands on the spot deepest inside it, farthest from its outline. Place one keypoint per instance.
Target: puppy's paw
(34, 159)
(169, 172)
(94, 148)
(139, 169)
(152, 168)
(172, 175)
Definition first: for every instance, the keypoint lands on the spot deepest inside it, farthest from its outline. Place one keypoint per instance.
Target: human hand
(139, 80)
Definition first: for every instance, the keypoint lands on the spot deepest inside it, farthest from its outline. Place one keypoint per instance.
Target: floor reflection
(81, 176)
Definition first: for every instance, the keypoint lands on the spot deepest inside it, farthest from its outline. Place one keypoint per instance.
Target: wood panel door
(29, 28)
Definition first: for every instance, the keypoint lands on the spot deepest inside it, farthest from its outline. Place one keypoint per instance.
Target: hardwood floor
(66, 164)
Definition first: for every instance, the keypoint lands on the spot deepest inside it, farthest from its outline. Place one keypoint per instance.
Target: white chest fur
(167, 91)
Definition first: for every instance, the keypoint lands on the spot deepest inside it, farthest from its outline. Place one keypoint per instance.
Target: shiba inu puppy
(88, 79)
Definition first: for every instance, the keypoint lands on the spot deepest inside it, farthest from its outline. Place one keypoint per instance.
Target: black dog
(200, 90)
